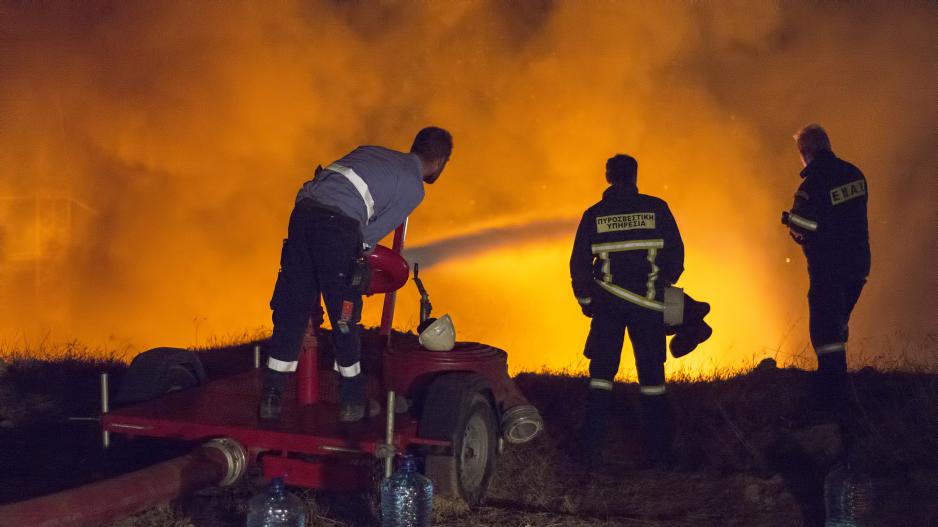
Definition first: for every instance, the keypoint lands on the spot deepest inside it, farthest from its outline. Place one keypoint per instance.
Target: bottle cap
(406, 462)
(277, 484)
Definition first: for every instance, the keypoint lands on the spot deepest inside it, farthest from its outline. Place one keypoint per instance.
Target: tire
(466, 471)
(159, 371)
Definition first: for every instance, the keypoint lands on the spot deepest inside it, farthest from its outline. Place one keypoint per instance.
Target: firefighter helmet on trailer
(439, 335)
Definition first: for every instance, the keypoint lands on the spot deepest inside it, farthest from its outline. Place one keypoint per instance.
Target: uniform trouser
(318, 258)
(831, 299)
(611, 318)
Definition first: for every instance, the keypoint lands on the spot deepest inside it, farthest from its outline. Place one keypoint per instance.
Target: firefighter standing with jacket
(338, 216)
(829, 221)
(627, 250)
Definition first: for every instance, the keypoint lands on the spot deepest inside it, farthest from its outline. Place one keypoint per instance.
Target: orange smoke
(179, 133)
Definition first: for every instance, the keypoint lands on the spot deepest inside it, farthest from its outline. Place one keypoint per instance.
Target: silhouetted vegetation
(752, 449)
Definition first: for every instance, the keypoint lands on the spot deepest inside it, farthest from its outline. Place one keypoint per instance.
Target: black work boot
(830, 385)
(657, 431)
(353, 402)
(352, 413)
(594, 427)
(269, 407)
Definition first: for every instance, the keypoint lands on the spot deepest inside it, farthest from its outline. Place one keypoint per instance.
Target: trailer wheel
(464, 471)
(160, 371)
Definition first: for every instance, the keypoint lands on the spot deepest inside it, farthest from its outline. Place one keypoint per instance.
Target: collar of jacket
(620, 191)
(820, 158)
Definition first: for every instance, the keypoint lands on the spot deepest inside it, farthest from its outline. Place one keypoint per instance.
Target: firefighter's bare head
(810, 140)
(433, 146)
(622, 170)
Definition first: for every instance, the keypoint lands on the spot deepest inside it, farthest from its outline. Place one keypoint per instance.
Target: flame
(150, 156)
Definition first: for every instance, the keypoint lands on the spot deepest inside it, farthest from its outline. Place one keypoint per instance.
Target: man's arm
(581, 264)
(393, 215)
(802, 220)
(672, 259)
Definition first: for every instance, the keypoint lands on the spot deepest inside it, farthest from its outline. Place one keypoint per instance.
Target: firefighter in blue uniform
(829, 221)
(627, 250)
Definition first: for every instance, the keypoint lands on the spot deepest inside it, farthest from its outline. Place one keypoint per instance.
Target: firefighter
(627, 250)
(828, 220)
(338, 217)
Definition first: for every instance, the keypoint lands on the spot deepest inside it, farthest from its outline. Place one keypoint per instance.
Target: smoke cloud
(150, 154)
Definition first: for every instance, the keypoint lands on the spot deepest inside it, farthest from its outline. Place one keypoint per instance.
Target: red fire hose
(219, 462)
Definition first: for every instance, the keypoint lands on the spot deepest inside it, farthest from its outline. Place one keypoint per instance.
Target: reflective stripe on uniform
(804, 223)
(652, 275)
(600, 384)
(349, 371)
(607, 273)
(652, 390)
(625, 294)
(584, 301)
(652, 246)
(831, 348)
(632, 245)
(359, 185)
(281, 365)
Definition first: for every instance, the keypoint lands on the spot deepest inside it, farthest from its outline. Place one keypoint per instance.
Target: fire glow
(175, 137)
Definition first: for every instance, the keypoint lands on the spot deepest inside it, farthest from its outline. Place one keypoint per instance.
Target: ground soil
(752, 450)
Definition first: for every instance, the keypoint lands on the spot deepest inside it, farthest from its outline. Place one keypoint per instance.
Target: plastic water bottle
(848, 497)
(275, 507)
(406, 497)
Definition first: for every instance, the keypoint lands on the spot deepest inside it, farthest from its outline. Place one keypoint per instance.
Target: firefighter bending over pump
(339, 217)
(829, 221)
(627, 251)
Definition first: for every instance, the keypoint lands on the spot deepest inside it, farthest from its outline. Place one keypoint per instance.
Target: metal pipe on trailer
(387, 312)
(389, 437)
(105, 408)
(307, 371)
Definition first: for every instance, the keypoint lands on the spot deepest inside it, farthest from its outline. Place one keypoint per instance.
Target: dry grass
(159, 516)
